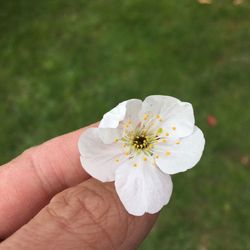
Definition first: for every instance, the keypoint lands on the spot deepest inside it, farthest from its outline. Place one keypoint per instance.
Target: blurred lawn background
(65, 63)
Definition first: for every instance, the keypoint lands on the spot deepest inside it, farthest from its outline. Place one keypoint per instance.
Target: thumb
(87, 216)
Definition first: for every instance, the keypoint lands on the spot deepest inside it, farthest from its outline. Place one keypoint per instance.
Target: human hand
(48, 201)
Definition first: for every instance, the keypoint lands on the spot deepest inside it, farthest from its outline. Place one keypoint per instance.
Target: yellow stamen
(145, 158)
(156, 156)
(135, 165)
(164, 140)
(178, 142)
(168, 153)
(174, 128)
(117, 160)
(116, 139)
(167, 134)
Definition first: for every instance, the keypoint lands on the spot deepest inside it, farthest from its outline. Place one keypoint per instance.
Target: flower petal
(110, 128)
(124, 109)
(179, 119)
(183, 155)
(110, 135)
(98, 159)
(153, 104)
(143, 188)
(174, 116)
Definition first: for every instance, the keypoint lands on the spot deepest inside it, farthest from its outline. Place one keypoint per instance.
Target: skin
(48, 201)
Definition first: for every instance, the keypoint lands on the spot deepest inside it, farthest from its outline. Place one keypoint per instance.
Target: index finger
(28, 182)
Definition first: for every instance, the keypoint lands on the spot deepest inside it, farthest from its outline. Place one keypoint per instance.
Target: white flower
(138, 145)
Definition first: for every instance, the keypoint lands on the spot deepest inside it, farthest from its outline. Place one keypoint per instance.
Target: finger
(88, 216)
(28, 182)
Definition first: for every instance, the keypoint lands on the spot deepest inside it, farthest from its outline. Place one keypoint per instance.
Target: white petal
(109, 135)
(110, 130)
(125, 109)
(142, 189)
(153, 104)
(177, 118)
(98, 159)
(183, 156)
(133, 110)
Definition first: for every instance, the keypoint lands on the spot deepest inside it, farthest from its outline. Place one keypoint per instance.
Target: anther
(168, 153)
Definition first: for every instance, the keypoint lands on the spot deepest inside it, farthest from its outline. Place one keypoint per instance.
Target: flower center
(140, 142)
(142, 139)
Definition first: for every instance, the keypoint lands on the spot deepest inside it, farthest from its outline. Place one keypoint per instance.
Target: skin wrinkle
(59, 219)
(97, 194)
(118, 208)
(38, 166)
(128, 218)
(65, 150)
(45, 186)
(129, 222)
(99, 220)
(98, 224)
(61, 175)
(67, 199)
(127, 235)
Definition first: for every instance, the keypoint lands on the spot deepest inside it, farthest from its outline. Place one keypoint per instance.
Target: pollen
(117, 160)
(164, 140)
(145, 117)
(156, 156)
(158, 117)
(178, 142)
(126, 153)
(167, 134)
(167, 153)
(116, 140)
(145, 158)
(135, 165)
(174, 128)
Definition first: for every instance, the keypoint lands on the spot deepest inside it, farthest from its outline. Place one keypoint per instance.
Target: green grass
(64, 63)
